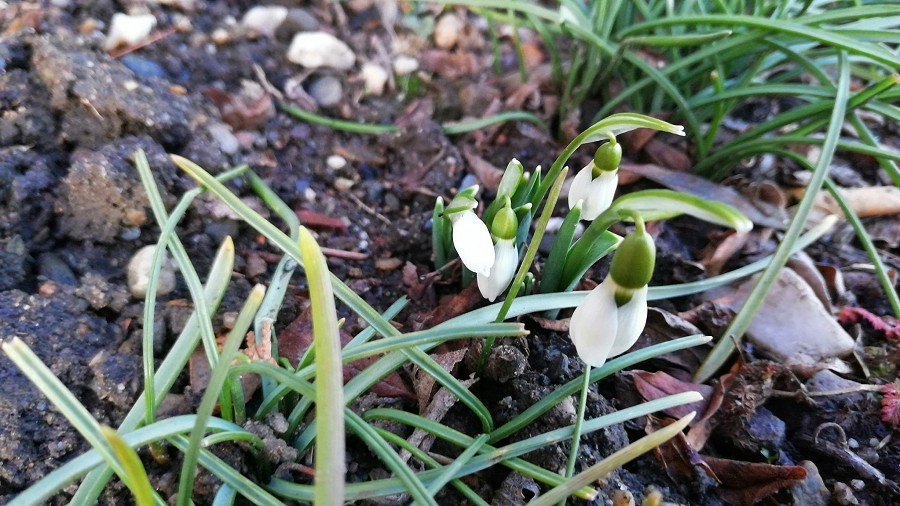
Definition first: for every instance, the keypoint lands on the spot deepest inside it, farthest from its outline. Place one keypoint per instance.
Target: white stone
(405, 65)
(326, 91)
(446, 31)
(125, 30)
(264, 19)
(228, 143)
(139, 273)
(319, 49)
(336, 162)
(375, 78)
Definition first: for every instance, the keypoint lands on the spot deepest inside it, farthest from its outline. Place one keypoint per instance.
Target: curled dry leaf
(739, 483)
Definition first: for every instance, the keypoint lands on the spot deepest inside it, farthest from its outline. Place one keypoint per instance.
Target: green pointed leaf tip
(608, 156)
(463, 201)
(634, 260)
(661, 204)
(617, 124)
(512, 176)
(505, 224)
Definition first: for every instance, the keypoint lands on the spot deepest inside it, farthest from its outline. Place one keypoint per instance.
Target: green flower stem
(533, 246)
(579, 421)
(330, 467)
(723, 349)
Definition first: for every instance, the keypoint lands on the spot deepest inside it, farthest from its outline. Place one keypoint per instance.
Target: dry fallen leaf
(656, 385)
(866, 202)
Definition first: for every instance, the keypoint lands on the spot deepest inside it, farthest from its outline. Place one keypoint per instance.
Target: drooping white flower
(472, 241)
(600, 329)
(595, 185)
(506, 259)
(595, 194)
(611, 318)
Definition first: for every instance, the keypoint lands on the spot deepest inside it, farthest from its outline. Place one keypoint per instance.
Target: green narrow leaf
(330, 467)
(135, 477)
(613, 462)
(735, 331)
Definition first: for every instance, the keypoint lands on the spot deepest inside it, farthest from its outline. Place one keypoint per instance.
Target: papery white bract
(595, 194)
(473, 242)
(600, 329)
(491, 285)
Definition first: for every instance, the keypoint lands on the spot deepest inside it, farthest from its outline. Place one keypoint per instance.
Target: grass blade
(330, 467)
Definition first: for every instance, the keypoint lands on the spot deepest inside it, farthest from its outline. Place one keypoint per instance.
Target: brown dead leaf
(740, 483)
(666, 155)
(424, 382)
(448, 307)
(866, 202)
(416, 285)
(758, 212)
(746, 483)
(487, 174)
(656, 385)
(315, 219)
(714, 258)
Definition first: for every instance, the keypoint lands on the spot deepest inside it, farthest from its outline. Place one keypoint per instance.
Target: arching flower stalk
(595, 185)
(611, 318)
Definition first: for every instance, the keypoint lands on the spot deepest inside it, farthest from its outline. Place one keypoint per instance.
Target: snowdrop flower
(595, 184)
(471, 237)
(506, 255)
(611, 318)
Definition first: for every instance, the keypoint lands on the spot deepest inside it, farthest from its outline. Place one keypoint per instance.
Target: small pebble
(143, 67)
(375, 78)
(220, 36)
(125, 30)
(326, 91)
(229, 318)
(139, 273)
(336, 162)
(405, 65)
(857, 485)
(446, 31)
(264, 19)
(320, 49)
(852, 443)
(309, 195)
(343, 184)
(388, 264)
(298, 20)
(228, 143)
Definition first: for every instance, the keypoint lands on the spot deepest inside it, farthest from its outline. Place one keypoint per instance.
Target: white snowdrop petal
(506, 259)
(632, 318)
(578, 190)
(594, 324)
(600, 194)
(473, 243)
